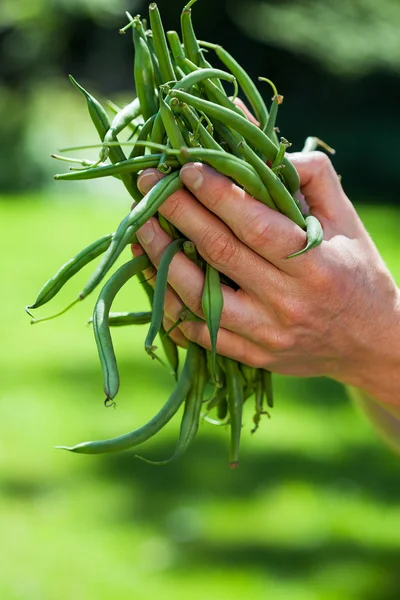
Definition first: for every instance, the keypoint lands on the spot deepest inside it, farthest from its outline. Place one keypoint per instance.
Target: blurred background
(313, 512)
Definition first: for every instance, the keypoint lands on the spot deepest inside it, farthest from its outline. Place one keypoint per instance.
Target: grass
(312, 513)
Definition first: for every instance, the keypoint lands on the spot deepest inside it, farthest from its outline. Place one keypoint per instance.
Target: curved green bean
(160, 44)
(315, 235)
(212, 302)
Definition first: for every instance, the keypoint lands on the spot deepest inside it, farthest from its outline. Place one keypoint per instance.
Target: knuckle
(279, 342)
(174, 208)
(219, 248)
(193, 301)
(257, 231)
(321, 160)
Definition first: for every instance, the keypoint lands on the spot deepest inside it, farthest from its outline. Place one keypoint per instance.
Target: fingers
(321, 187)
(214, 240)
(187, 279)
(267, 232)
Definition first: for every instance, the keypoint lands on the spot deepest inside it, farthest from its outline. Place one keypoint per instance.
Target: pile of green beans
(181, 113)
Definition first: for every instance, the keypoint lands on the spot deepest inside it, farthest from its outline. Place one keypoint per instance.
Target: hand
(333, 311)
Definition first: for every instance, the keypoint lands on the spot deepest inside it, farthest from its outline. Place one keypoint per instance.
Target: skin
(334, 311)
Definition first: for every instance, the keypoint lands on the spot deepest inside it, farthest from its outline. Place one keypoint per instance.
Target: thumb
(321, 187)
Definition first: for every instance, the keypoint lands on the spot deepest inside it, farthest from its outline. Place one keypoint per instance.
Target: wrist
(376, 364)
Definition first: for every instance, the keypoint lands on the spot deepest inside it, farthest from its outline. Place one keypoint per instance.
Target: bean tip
(234, 464)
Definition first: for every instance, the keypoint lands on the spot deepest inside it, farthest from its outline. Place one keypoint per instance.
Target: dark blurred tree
(336, 62)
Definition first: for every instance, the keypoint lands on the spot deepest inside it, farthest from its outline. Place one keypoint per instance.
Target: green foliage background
(313, 512)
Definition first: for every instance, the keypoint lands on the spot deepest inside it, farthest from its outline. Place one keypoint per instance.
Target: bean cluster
(182, 113)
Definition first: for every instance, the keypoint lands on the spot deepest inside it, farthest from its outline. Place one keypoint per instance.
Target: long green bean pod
(174, 133)
(145, 132)
(192, 48)
(102, 123)
(170, 350)
(235, 405)
(143, 73)
(315, 235)
(165, 414)
(121, 319)
(131, 165)
(177, 50)
(158, 79)
(160, 292)
(121, 120)
(191, 415)
(160, 44)
(101, 327)
(207, 140)
(69, 269)
(244, 80)
(212, 302)
(267, 384)
(249, 131)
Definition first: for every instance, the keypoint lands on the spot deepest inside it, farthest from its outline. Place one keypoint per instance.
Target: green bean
(315, 235)
(133, 126)
(158, 79)
(267, 384)
(174, 134)
(222, 409)
(235, 405)
(177, 50)
(148, 290)
(69, 269)
(168, 227)
(277, 99)
(218, 396)
(132, 165)
(143, 73)
(191, 414)
(190, 251)
(194, 123)
(192, 48)
(246, 83)
(129, 318)
(259, 404)
(158, 133)
(212, 303)
(144, 433)
(121, 120)
(212, 91)
(141, 213)
(100, 321)
(170, 350)
(145, 132)
(160, 44)
(245, 128)
(283, 146)
(102, 123)
(160, 292)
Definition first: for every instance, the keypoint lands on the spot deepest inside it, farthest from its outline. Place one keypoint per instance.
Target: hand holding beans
(333, 311)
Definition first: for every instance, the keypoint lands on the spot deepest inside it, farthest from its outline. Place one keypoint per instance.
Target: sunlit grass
(312, 512)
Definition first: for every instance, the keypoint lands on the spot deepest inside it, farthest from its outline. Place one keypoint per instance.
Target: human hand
(333, 311)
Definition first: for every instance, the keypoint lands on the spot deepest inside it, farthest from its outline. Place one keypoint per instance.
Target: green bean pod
(102, 123)
(121, 319)
(158, 79)
(69, 269)
(160, 292)
(144, 433)
(101, 327)
(170, 350)
(177, 50)
(171, 126)
(160, 44)
(191, 415)
(121, 120)
(212, 302)
(124, 235)
(235, 405)
(143, 73)
(145, 132)
(192, 48)
(207, 140)
(267, 384)
(315, 235)
(249, 131)
(131, 165)
(244, 80)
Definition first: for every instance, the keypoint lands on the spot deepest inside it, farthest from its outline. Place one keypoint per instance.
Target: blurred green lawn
(313, 512)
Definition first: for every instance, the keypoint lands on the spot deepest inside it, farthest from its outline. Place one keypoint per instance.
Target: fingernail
(146, 181)
(191, 177)
(146, 233)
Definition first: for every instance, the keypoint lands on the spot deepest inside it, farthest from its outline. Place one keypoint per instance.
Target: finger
(321, 187)
(229, 344)
(267, 232)
(187, 279)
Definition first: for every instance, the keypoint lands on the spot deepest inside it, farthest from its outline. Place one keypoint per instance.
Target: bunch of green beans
(181, 113)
